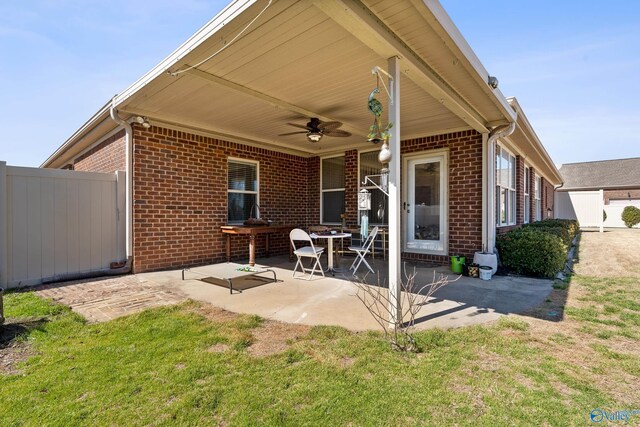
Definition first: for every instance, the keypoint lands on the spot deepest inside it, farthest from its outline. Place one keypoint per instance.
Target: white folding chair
(298, 235)
(362, 251)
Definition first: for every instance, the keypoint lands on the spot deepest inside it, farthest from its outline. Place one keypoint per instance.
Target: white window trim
(527, 196)
(368, 187)
(257, 192)
(322, 221)
(538, 197)
(513, 192)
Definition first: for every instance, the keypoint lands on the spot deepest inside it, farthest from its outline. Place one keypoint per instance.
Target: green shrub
(631, 216)
(561, 232)
(532, 252)
(571, 225)
(604, 215)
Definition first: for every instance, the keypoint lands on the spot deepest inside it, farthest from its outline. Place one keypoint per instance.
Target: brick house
(201, 134)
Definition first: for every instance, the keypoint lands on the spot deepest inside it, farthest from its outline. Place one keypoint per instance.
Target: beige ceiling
(297, 54)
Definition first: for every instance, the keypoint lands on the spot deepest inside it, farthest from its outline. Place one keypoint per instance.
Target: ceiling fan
(316, 128)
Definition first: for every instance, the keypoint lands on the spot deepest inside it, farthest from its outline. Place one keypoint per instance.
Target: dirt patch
(609, 254)
(274, 337)
(13, 351)
(215, 314)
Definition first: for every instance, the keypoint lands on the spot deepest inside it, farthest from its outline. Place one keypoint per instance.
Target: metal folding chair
(362, 251)
(298, 235)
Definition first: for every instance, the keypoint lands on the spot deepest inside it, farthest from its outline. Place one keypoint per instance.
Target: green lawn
(158, 368)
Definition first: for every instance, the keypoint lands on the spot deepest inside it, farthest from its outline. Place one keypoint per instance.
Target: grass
(157, 368)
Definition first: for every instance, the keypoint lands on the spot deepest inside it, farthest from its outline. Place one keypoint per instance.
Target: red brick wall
(547, 198)
(520, 207)
(108, 156)
(180, 198)
(351, 187)
(465, 190)
(621, 194)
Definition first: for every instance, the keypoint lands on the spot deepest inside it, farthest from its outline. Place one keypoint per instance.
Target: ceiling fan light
(314, 136)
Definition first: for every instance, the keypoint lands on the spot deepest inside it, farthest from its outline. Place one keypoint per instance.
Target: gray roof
(604, 174)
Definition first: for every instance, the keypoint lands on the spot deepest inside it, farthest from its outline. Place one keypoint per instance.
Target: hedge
(532, 251)
(571, 225)
(631, 216)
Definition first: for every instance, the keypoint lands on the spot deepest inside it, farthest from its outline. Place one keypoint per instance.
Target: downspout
(128, 138)
(489, 225)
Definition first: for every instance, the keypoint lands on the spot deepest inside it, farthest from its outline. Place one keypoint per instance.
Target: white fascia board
(465, 50)
(228, 14)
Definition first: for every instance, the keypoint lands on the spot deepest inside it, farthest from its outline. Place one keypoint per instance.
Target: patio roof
(309, 59)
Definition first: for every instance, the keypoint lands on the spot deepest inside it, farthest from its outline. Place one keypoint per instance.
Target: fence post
(601, 206)
(3, 226)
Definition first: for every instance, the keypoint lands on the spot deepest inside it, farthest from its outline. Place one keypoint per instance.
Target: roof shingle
(604, 174)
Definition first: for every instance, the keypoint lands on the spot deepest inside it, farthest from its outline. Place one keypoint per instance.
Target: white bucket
(485, 272)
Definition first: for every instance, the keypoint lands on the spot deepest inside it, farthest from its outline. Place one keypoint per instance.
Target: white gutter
(488, 185)
(128, 141)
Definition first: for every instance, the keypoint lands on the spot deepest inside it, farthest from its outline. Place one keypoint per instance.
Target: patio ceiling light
(314, 135)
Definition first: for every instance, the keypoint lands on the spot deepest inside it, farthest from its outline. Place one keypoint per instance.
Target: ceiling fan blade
(291, 133)
(298, 126)
(329, 125)
(337, 132)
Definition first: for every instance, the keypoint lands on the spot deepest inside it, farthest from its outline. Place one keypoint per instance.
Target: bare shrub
(413, 296)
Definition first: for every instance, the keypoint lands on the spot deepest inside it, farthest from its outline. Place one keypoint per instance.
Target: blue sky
(573, 65)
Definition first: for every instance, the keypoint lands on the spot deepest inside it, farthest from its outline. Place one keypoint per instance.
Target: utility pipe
(128, 138)
(489, 211)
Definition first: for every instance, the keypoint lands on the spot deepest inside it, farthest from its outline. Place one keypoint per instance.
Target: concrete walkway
(320, 301)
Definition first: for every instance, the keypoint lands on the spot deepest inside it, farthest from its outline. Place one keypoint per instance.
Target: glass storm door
(425, 214)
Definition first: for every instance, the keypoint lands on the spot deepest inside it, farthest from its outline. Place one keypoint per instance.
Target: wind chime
(377, 133)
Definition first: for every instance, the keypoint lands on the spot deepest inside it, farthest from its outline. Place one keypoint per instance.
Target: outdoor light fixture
(493, 82)
(314, 136)
(143, 121)
(548, 212)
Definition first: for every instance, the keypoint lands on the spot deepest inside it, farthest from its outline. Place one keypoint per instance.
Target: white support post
(4, 280)
(600, 210)
(395, 284)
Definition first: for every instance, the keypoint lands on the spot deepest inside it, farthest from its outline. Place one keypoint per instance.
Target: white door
(426, 204)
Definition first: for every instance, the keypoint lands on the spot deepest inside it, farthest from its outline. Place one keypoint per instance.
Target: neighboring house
(201, 137)
(591, 187)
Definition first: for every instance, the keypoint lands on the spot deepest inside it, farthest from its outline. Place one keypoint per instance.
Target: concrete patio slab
(332, 300)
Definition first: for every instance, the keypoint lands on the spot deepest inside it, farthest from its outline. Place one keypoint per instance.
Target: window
(332, 189)
(369, 166)
(527, 197)
(505, 187)
(537, 198)
(242, 190)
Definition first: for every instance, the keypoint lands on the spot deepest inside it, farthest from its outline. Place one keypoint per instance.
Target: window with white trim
(538, 199)
(242, 190)
(505, 187)
(527, 196)
(369, 166)
(332, 189)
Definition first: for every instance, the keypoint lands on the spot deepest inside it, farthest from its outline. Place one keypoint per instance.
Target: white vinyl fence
(57, 222)
(587, 207)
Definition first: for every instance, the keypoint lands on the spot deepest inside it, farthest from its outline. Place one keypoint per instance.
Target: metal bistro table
(253, 231)
(330, 237)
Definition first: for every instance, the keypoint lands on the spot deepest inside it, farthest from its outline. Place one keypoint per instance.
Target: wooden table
(253, 231)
